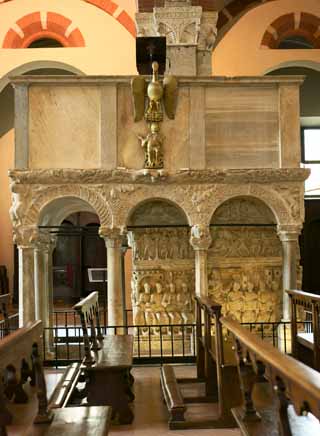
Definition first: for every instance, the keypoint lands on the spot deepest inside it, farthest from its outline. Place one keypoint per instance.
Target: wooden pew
(8, 323)
(107, 363)
(4, 281)
(305, 345)
(29, 412)
(216, 368)
(270, 382)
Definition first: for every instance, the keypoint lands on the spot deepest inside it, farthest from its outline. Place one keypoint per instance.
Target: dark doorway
(310, 247)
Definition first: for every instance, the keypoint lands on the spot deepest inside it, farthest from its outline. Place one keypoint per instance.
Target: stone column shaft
(26, 285)
(113, 240)
(200, 240)
(289, 241)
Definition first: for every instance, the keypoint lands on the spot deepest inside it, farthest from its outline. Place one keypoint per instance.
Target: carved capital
(113, 237)
(26, 237)
(289, 233)
(200, 238)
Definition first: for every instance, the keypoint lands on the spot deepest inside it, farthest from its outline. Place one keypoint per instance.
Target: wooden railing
(305, 345)
(261, 366)
(215, 364)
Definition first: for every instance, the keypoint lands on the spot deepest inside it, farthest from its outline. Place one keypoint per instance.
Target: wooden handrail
(304, 296)
(300, 382)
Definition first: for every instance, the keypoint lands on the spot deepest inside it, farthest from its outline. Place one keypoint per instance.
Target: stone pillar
(43, 278)
(113, 240)
(200, 240)
(289, 237)
(24, 238)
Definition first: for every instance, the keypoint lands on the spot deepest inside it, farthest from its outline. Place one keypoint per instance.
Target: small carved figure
(184, 303)
(152, 145)
(158, 307)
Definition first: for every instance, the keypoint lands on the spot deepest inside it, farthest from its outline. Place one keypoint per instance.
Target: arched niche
(162, 263)
(245, 260)
(157, 212)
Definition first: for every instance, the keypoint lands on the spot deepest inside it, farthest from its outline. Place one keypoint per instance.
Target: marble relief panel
(163, 278)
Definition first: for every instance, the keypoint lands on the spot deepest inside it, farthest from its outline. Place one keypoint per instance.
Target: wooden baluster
(43, 415)
(280, 389)
(210, 365)
(95, 344)
(200, 349)
(247, 378)
(87, 349)
(293, 326)
(99, 332)
(5, 415)
(316, 332)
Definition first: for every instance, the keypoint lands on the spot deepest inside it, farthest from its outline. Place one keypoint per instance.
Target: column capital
(25, 236)
(200, 238)
(113, 236)
(289, 232)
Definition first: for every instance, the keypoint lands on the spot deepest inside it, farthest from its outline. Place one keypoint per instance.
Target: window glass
(311, 144)
(312, 184)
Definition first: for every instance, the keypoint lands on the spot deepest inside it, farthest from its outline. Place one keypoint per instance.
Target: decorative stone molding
(200, 238)
(25, 236)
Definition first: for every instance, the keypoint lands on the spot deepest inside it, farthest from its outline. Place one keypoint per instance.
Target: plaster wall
(239, 52)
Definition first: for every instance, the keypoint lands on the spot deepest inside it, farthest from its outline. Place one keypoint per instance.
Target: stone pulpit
(221, 218)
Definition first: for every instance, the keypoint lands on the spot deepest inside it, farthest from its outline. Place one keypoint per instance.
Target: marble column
(43, 303)
(201, 240)
(113, 239)
(24, 238)
(289, 238)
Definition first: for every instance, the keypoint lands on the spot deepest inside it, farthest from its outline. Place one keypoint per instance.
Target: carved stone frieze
(251, 293)
(245, 242)
(162, 298)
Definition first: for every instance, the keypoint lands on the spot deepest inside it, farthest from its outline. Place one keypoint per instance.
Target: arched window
(295, 42)
(45, 43)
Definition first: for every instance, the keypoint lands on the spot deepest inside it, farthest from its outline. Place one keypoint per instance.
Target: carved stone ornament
(200, 238)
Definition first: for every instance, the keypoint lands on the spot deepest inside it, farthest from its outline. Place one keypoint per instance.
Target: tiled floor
(150, 413)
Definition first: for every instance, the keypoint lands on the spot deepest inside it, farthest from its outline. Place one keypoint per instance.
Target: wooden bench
(216, 369)
(305, 345)
(172, 396)
(107, 363)
(29, 412)
(270, 382)
(8, 323)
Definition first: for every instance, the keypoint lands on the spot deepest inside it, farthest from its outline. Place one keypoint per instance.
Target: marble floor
(151, 414)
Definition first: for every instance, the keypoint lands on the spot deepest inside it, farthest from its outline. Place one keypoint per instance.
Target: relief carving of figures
(161, 244)
(251, 294)
(162, 299)
(245, 242)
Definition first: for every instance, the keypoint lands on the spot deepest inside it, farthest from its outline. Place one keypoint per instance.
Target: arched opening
(295, 42)
(245, 261)
(45, 43)
(162, 279)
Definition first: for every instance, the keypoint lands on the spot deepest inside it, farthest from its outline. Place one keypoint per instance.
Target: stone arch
(37, 65)
(270, 198)
(43, 24)
(297, 23)
(112, 9)
(181, 213)
(116, 12)
(230, 14)
(89, 199)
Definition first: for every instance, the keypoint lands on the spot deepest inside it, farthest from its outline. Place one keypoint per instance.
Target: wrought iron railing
(159, 344)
